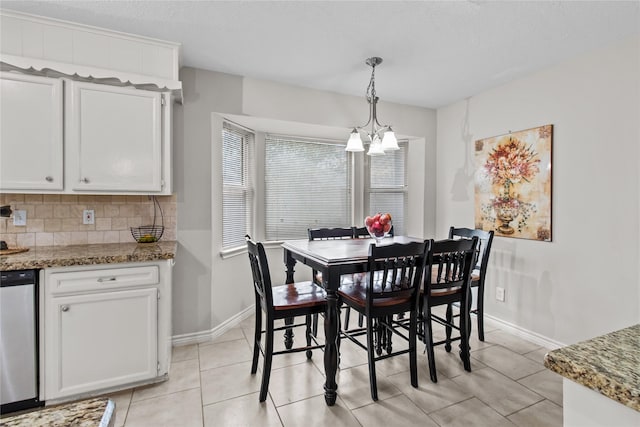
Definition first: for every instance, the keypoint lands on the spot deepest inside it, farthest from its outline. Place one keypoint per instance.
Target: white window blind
(237, 192)
(387, 188)
(307, 185)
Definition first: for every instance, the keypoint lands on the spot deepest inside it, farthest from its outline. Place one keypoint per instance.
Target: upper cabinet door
(114, 138)
(31, 127)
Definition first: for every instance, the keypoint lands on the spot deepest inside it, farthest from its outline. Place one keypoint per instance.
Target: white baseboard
(521, 332)
(206, 336)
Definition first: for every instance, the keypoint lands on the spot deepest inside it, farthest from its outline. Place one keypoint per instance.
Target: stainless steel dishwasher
(18, 340)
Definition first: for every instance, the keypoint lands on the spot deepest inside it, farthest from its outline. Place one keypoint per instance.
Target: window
(237, 192)
(307, 185)
(387, 188)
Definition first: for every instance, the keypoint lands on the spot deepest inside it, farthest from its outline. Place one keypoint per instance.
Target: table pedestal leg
(290, 263)
(331, 348)
(288, 334)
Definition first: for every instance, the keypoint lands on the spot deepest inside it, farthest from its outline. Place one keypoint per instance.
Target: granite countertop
(106, 253)
(98, 412)
(609, 364)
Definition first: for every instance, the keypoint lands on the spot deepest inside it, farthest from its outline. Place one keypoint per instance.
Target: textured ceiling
(435, 53)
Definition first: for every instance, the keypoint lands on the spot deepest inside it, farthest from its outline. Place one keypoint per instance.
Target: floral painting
(513, 184)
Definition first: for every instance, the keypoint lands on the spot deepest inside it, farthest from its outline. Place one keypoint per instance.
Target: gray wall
(586, 282)
(210, 290)
(204, 92)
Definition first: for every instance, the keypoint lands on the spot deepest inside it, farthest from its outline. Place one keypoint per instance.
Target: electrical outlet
(500, 294)
(19, 217)
(88, 216)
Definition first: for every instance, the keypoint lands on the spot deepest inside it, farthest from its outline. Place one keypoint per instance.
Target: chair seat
(357, 295)
(445, 291)
(298, 295)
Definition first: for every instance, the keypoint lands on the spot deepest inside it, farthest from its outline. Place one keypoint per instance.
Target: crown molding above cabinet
(47, 46)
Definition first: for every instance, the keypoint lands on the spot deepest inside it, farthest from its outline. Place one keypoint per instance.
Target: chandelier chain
(381, 137)
(371, 89)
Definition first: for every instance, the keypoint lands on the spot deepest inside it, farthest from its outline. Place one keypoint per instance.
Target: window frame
(367, 190)
(246, 188)
(358, 176)
(349, 182)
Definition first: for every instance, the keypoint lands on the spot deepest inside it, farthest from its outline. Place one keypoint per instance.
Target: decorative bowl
(378, 225)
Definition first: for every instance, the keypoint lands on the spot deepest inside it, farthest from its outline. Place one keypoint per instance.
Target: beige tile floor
(210, 385)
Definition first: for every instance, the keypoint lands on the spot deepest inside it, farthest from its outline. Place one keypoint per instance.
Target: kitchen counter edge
(607, 364)
(90, 254)
(97, 412)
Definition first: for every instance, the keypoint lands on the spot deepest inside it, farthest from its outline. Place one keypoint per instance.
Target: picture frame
(513, 184)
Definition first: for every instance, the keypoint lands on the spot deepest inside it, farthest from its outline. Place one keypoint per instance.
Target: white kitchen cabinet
(31, 132)
(104, 327)
(102, 340)
(114, 139)
(117, 140)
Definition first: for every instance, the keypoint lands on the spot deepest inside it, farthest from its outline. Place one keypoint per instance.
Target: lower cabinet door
(96, 341)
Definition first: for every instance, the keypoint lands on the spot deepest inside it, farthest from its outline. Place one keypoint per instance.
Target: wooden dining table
(332, 258)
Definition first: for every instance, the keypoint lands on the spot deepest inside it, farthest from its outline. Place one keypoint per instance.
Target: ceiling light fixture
(381, 138)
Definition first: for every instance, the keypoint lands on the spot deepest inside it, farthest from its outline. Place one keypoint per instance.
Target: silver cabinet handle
(48, 178)
(64, 308)
(84, 180)
(106, 279)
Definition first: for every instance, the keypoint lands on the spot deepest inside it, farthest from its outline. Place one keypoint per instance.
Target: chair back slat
(450, 263)
(329, 233)
(395, 271)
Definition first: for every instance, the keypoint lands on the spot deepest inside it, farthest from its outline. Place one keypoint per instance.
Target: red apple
(384, 218)
(387, 227)
(368, 221)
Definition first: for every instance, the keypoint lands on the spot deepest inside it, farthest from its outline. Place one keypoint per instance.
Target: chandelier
(381, 138)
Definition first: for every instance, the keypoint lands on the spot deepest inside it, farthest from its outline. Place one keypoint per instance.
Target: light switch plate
(19, 217)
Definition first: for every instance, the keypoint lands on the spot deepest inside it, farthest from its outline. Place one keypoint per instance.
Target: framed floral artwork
(513, 184)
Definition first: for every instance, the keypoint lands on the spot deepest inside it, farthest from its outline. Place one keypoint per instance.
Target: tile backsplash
(56, 219)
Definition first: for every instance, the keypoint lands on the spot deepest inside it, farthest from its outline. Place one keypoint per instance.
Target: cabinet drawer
(101, 279)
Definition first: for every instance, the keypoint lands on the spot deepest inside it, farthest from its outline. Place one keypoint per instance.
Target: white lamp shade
(389, 141)
(355, 142)
(375, 149)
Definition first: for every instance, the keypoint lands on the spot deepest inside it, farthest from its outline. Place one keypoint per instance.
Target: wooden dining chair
(329, 234)
(447, 276)
(361, 233)
(479, 272)
(392, 286)
(280, 302)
